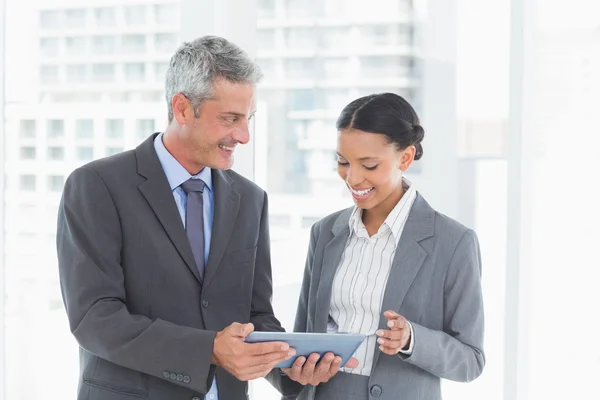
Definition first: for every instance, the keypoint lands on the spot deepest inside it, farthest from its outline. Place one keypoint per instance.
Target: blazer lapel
(158, 194)
(331, 261)
(227, 204)
(408, 259)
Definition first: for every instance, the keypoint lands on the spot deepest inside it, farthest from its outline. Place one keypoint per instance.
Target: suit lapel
(408, 259)
(331, 261)
(227, 204)
(158, 194)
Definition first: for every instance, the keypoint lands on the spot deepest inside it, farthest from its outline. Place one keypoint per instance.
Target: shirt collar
(395, 219)
(175, 172)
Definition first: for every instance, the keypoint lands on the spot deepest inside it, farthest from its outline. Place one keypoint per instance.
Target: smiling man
(164, 252)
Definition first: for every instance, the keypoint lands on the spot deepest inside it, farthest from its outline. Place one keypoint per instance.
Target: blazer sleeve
(456, 353)
(89, 246)
(288, 388)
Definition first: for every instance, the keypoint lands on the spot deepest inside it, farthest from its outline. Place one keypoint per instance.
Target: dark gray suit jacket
(435, 283)
(144, 319)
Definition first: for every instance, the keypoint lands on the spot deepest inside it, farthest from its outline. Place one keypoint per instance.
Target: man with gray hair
(163, 251)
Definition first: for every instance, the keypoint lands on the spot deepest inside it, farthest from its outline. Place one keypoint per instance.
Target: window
(302, 100)
(84, 128)
(55, 183)
(266, 39)
(144, 127)
(77, 73)
(266, 9)
(135, 15)
(300, 68)
(133, 44)
(110, 151)
(336, 68)
(49, 47)
(303, 8)
(56, 153)
(135, 72)
(56, 128)
(77, 45)
(27, 183)
(115, 128)
(49, 74)
(103, 73)
(104, 44)
(336, 39)
(166, 14)
(165, 42)
(386, 67)
(27, 153)
(50, 19)
(160, 71)
(85, 153)
(301, 39)
(385, 35)
(27, 128)
(105, 16)
(76, 18)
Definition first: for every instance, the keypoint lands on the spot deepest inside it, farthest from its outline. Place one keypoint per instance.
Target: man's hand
(392, 340)
(311, 373)
(247, 361)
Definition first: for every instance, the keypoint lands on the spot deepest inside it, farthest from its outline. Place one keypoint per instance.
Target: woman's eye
(370, 168)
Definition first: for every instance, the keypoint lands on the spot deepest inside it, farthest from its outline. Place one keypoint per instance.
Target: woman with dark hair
(390, 267)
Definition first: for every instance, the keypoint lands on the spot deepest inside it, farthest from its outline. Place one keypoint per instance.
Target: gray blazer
(144, 319)
(435, 282)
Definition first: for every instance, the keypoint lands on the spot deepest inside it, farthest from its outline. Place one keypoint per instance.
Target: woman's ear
(408, 156)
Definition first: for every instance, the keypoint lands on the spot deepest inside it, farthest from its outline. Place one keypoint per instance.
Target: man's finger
(309, 366)
(276, 357)
(241, 330)
(335, 365)
(266, 348)
(296, 369)
(324, 365)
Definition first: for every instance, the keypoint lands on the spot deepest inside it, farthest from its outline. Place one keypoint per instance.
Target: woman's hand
(397, 338)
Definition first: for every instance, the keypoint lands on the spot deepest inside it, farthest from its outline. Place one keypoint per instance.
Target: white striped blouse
(361, 278)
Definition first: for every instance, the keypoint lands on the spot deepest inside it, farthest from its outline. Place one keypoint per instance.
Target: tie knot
(193, 185)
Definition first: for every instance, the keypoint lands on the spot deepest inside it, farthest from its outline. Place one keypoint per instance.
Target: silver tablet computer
(340, 344)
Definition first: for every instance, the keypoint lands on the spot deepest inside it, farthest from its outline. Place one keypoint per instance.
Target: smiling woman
(391, 268)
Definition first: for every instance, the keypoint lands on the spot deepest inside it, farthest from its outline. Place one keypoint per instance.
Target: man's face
(222, 123)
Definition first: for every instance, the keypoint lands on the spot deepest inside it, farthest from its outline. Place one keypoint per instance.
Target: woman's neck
(374, 217)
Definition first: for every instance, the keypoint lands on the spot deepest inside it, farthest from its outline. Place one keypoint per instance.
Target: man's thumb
(243, 330)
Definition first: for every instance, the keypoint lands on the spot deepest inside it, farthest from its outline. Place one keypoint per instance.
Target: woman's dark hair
(386, 114)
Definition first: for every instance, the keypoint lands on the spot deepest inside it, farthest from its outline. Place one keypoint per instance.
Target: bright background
(508, 93)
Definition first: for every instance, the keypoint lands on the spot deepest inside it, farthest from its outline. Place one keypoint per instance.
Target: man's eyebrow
(233, 113)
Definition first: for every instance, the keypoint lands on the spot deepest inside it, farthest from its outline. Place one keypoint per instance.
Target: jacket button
(186, 379)
(179, 378)
(166, 374)
(376, 391)
(205, 303)
(173, 375)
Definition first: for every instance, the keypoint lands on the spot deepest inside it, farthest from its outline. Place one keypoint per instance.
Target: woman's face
(372, 167)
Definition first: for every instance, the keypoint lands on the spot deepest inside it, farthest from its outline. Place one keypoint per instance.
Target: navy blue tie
(194, 219)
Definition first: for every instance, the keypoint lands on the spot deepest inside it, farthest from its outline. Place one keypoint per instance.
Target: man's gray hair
(196, 65)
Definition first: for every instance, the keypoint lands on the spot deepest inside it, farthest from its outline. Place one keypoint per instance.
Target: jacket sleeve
(456, 353)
